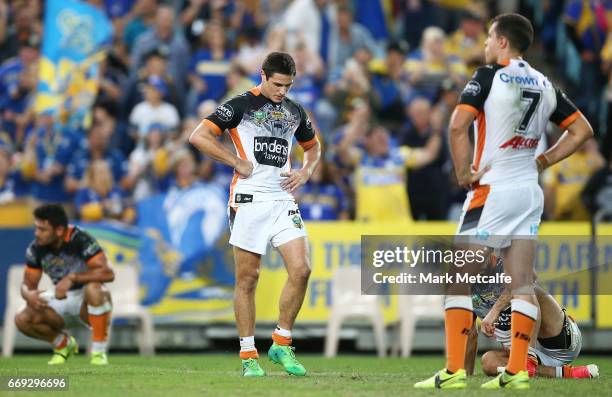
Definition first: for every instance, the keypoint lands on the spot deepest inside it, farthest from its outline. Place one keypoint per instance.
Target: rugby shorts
(256, 224)
(69, 308)
(493, 216)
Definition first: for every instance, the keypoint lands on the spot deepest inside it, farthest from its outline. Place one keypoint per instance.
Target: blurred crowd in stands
(378, 77)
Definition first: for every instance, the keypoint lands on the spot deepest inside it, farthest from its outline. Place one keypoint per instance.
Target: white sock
(99, 310)
(559, 372)
(282, 332)
(247, 343)
(524, 307)
(59, 339)
(98, 347)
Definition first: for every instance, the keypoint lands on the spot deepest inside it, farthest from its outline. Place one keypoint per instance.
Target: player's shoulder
(77, 234)
(488, 70)
(232, 108)
(33, 250)
(544, 80)
(295, 106)
(84, 242)
(238, 103)
(243, 97)
(481, 81)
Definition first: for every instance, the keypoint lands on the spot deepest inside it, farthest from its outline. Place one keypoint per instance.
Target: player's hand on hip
(61, 288)
(467, 180)
(35, 301)
(244, 168)
(295, 179)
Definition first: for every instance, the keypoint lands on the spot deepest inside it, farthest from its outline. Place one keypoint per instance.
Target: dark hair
(157, 52)
(109, 106)
(52, 213)
(516, 28)
(400, 46)
(278, 62)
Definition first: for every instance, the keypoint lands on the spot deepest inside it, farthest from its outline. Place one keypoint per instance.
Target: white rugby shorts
(256, 224)
(560, 357)
(69, 308)
(493, 216)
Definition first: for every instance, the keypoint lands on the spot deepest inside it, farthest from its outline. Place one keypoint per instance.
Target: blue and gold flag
(74, 38)
(186, 262)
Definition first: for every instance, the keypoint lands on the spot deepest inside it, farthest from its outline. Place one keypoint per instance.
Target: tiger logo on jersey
(276, 120)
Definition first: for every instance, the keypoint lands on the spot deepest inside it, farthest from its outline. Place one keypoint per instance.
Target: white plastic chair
(14, 303)
(126, 304)
(124, 292)
(411, 309)
(348, 302)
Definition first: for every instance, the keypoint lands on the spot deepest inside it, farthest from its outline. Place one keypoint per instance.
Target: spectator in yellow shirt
(564, 182)
(430, 65)
(380, 170)
(468, 41)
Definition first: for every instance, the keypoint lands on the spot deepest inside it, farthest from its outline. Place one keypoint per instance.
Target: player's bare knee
(25, 318)
(301, 274)
(247, 280)
(524, 287)
(94, 288)
(94, 293)
(489, 364)
(306, 271)
(22, 320)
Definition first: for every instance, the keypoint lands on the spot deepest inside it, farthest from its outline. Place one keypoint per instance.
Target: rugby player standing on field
(511, 103)
(262, 123)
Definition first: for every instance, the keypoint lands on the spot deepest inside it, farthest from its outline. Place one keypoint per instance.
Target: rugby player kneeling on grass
(550, 354)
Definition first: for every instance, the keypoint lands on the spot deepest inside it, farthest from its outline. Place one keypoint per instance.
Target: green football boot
(285, 356)
(98, 358)
(444, 380)
(60, 356)
(250, 367)
(518, 381)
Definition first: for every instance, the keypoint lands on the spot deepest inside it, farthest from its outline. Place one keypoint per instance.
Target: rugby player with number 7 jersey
(510, 104)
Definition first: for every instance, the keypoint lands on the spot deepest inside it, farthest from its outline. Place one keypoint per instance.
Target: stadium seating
(126, 304)
(348, 302)
(413, 308)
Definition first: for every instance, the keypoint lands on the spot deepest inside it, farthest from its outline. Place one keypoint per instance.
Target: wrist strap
(543, 161)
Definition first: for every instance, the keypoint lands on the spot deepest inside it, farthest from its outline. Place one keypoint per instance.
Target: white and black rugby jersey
(512, 103)
(484, 297)
(262, 132)
(74, 256)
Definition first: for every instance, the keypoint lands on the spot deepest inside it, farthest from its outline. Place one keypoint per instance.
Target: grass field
(218, 375)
